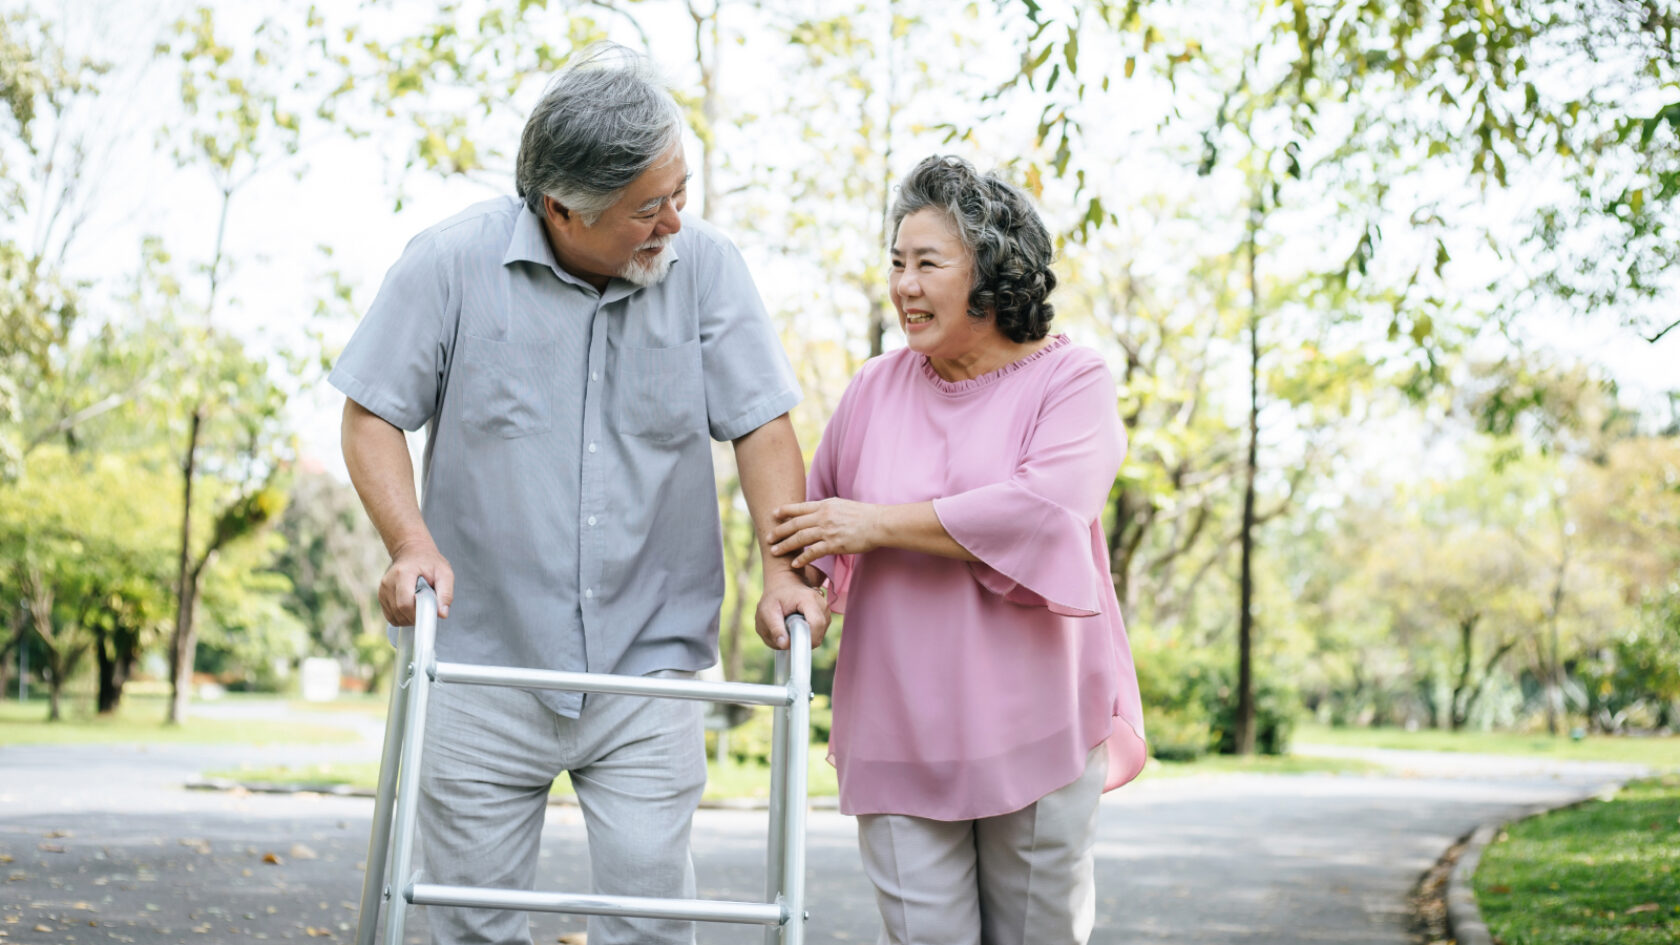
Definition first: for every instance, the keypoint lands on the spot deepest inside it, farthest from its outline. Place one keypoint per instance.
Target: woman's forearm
(916, 527)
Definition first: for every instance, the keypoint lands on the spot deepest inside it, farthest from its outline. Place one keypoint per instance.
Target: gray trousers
(1022, 878)
(638, 766)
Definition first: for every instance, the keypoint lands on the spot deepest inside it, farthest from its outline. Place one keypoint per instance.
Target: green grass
(1656, 751)
(1257, 764)
(1600, 873)
(140, 722)
(732, 779)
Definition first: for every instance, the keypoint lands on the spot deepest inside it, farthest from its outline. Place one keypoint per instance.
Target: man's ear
(556, 210)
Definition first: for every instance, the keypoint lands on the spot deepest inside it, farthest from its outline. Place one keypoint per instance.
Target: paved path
(101, 844)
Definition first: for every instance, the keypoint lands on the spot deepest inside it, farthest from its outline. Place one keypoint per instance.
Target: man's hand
(823, 528)
(396, 588)
(786, 593)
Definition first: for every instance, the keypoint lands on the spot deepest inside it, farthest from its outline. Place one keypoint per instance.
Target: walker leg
(775, 855)
(379, 841)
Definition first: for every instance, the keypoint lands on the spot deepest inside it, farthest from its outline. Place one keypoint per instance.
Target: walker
(391, 843)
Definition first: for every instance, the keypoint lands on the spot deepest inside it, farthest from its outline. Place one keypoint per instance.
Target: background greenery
(1323, 246)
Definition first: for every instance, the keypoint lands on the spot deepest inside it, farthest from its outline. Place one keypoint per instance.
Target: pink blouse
(968, 690)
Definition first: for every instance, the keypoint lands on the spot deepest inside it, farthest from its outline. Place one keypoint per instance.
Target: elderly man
(569, 351)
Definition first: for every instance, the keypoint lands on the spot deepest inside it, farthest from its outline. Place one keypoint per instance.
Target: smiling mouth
(918, 319)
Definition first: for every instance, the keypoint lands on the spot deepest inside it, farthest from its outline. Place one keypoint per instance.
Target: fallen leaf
(271, 858)
(5, 858)
(55, 834)
(43, 928)
(1644, 907)
(314, 932)
(1500, 890)
(50, 847)
(575, 938)
(196, 844)
(301, 852)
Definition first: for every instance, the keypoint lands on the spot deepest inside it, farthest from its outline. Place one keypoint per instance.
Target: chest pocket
(507, 389)
(658, 393)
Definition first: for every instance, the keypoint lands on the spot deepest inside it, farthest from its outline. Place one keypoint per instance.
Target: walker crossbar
(743, 693)
(391, 841)
(697, 910)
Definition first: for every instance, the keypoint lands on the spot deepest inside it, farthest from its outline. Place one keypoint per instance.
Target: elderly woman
(985, 694)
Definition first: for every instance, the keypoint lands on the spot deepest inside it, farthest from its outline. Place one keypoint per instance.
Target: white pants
(1022, 878)
(638, 766)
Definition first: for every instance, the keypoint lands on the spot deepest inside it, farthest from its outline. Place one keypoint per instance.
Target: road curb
(554, 800)
(1464, 917)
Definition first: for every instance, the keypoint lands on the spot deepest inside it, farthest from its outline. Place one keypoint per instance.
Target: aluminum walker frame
(391, 843)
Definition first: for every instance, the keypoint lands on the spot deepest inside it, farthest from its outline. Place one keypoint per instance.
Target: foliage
(334, 559)
(1598, 872)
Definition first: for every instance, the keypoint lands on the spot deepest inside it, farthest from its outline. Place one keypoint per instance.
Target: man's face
(629, 239)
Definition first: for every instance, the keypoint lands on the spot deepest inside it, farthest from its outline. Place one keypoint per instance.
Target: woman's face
(930, 281)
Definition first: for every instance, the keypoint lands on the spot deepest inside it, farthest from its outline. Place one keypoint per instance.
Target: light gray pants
(638, 766)
(1023, 878)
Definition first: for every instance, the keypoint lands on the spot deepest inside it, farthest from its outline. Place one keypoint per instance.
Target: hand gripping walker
(391, 844)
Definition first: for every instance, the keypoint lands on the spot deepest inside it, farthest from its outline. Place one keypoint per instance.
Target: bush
(1275, 707)
(1174, 737)
(749, 742)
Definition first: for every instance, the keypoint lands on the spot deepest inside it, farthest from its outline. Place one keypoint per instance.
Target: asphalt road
(102, 844)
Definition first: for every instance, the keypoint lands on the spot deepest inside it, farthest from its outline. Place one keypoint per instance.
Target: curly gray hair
(602, 121)
(996, 223)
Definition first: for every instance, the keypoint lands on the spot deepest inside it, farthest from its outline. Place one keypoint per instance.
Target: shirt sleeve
(824, 483)
(748, 379)
(395, 362)
(1033, 532)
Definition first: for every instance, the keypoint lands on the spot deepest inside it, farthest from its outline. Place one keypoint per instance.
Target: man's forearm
(772, 475)
(376, 454)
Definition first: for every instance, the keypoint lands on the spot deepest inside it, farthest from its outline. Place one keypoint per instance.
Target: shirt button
(591, 519)
(594, 375)
(589, 592)
(592, 447)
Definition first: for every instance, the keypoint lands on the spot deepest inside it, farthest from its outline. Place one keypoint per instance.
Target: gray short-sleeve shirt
(568, 474)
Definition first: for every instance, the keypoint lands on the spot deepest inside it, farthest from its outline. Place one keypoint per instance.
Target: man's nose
(669, 220)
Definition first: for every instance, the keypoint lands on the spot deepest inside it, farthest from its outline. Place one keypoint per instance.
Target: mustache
(658, 242)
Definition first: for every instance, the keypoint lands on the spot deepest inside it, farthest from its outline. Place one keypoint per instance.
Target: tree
(85, 548)
(43, 202)
(242, 119)
(334, 560)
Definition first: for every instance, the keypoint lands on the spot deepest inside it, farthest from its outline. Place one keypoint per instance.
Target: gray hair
(995, 221)
(602, 121)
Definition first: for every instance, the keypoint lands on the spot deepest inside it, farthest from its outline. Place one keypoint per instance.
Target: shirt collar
(529, 243)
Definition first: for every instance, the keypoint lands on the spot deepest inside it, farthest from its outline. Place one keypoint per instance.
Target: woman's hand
(828, 527)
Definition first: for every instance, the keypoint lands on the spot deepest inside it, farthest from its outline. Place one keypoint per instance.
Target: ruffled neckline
(990, 377)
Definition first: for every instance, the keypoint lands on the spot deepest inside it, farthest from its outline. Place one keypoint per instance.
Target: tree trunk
(38, 598)
(114, 654)
(13, 641)
(1461, 690)
(184, 643)
(1244, 733)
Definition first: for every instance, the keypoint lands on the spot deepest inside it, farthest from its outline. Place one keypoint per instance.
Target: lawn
(1606, 872)
(1653, 750)
(1257, 764)
(140, 722)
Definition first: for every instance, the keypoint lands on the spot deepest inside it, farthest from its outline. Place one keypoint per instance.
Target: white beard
(648, 273)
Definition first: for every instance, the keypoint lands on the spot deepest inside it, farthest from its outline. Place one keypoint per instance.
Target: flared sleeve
(1032, 532)
(823, 483)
